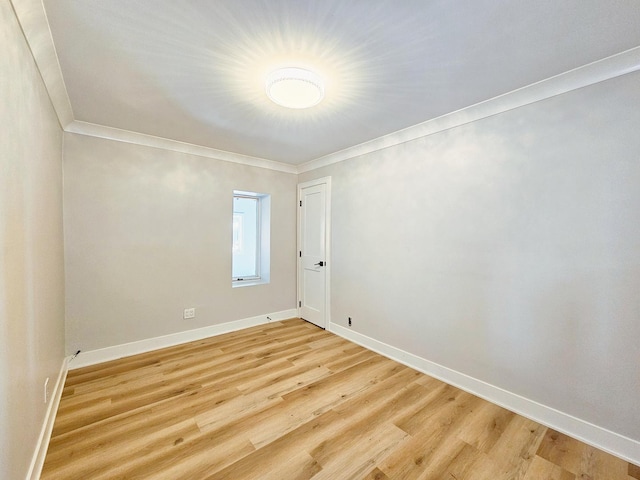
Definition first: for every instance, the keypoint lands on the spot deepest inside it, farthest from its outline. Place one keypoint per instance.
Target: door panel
(313, 221)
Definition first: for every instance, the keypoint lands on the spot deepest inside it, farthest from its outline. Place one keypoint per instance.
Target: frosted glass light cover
(295, 87)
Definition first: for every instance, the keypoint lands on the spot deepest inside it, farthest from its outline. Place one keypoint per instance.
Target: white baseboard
(101, 355)
(601, 438)
(40, 452)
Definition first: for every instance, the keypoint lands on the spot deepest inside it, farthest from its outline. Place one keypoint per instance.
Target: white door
(313, 250)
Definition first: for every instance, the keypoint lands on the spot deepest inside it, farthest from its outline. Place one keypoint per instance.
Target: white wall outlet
(46, 390)
(189, 313)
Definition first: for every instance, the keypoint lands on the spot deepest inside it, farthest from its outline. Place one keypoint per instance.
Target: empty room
(341, 239)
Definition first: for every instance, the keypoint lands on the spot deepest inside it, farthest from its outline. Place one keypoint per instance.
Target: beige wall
(31, 252)
(148, 234)
(507, 249)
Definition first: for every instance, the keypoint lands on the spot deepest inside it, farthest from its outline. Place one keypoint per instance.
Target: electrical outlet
(46, 390)
(349, 321)
(189, 313)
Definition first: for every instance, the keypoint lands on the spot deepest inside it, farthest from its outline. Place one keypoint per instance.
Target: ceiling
(193, 70)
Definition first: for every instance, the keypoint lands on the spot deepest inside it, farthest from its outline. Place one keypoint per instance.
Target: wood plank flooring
(288, 401)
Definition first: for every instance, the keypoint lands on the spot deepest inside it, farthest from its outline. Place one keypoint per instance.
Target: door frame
(327, 246)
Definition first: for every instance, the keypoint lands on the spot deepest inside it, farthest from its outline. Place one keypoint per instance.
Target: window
(251, 238)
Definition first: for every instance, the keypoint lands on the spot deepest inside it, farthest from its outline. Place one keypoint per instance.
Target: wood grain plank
(580, 459)
(287, 400)
(542, 469)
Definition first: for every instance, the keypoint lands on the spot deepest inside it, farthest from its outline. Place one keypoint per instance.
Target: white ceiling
(193, 71)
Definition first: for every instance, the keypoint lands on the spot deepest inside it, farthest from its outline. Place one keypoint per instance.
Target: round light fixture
(293, 87)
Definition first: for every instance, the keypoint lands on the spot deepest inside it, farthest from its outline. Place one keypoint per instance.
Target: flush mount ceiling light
(294, 87)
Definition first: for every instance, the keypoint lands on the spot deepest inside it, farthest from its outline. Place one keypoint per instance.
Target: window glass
(251, 241)
(246, 237)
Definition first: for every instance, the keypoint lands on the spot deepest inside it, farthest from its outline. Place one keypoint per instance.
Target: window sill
(249, 283)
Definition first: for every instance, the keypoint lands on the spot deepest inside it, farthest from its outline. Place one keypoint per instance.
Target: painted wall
(507, 249)
(148, 233)
(31, 251)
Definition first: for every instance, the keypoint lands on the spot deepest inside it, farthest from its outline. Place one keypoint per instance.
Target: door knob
(320, 263)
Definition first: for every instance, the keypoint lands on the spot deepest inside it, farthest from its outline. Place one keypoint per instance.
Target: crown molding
(127, 136)
(592, 73)
(35, 26)
(34, 23)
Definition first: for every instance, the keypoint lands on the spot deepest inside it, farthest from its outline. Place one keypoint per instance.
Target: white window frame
(263, 241)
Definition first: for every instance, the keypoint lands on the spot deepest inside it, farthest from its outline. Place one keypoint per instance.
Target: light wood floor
(289, 401)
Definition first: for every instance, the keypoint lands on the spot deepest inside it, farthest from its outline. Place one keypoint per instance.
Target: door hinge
(300, 303)
(300, 202)
(300, 253)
